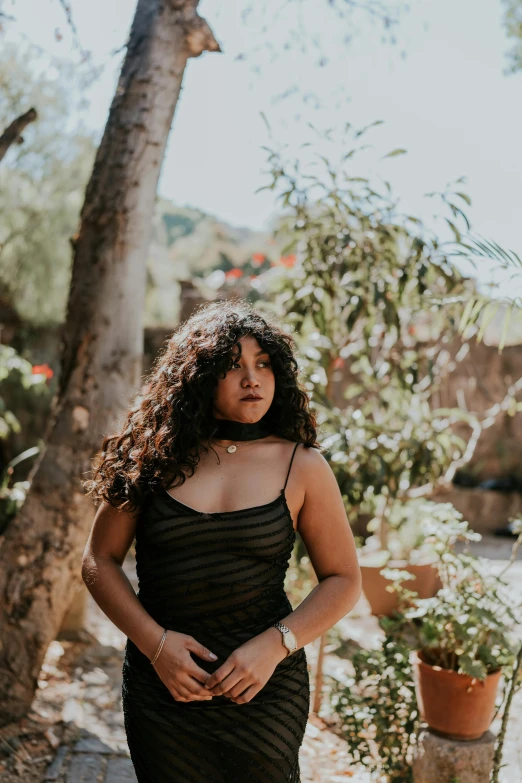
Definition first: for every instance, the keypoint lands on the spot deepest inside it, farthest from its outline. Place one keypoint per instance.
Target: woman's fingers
(193, 686)
(235, 684)
(247, 695)
(220, 674)
(226, 668)
(250, 681)
(188, 691)
(228, 683)
(199, 649)
(195, 671)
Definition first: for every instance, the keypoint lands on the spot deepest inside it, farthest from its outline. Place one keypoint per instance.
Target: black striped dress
(220, 578)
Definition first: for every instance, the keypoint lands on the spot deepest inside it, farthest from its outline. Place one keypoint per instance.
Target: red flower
(288, 260)
(338, 363)
(258, 258)
(234, 273)
(42, 369)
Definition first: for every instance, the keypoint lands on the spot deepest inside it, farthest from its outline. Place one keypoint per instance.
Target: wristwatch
(288, 639)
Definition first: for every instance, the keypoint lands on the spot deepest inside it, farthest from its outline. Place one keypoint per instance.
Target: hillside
(188, 242)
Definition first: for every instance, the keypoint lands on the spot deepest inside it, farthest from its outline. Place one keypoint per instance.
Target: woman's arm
(327, 535)
(109, 541)
(326, 532)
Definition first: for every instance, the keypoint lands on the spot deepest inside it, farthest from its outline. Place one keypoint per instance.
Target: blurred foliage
(365, 280)
(42, 181)
(513, 25)
(377, 709)
(18, 372)
(289, 38)
(188, 244)
(20, 376)
(480, 310)
(300, 579)
(410, 529)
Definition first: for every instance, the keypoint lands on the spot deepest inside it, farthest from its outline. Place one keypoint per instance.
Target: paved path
(90, 761)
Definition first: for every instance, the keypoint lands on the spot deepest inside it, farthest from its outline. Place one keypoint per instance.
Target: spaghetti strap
(286, 482)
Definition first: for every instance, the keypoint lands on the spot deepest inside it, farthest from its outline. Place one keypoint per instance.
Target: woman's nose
(251, 378)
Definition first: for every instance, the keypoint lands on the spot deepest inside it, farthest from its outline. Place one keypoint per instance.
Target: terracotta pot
(454, 705)
(374, 585)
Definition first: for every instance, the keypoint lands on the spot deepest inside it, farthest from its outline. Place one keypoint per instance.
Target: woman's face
(251, 374)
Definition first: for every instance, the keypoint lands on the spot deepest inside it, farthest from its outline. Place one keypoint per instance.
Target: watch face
(289, 641)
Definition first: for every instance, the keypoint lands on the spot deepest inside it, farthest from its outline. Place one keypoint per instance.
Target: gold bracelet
(159, 647)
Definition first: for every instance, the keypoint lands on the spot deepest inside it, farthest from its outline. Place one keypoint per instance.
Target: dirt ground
(78, 707)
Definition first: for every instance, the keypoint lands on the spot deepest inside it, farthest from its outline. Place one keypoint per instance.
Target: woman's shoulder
(310, 460)
(309, 457)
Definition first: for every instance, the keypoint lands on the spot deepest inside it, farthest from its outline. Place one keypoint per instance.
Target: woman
(215, 679)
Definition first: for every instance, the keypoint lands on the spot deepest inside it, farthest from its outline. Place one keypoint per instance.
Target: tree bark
(40, 556)
(13, 133)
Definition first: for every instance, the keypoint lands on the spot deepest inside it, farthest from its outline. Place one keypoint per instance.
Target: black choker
(227, 429)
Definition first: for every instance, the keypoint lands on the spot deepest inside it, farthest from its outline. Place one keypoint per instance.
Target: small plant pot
(452, 704)
(374, 585)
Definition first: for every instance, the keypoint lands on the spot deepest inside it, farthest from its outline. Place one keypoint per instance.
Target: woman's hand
(248, 668)
(178, 671)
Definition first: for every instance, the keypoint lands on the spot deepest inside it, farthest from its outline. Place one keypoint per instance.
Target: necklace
(227, 429)
(233, 448)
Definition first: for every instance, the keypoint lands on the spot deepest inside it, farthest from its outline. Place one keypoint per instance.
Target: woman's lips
(251, 399)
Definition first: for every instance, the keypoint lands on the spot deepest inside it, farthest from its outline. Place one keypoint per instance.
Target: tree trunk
(40, 559)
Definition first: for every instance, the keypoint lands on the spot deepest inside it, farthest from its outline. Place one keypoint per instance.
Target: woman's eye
(264, 361)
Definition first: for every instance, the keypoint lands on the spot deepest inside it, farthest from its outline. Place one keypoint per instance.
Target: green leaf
(487, 316)
(471, 667)
(394, 153)
(464, 197)
(263, 117)
(367, 127)
(455, 230)
(505, 327)
(464, 321)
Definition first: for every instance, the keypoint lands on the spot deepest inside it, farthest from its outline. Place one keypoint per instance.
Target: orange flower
(42, 369)
(288, 260)
(258, 258)
(234, 273)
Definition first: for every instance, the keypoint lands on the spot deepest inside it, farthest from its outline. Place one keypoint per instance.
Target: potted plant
(379, 704)
(407, 547)
(462, 639)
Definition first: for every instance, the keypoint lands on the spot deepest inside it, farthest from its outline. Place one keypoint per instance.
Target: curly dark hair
(164, 432)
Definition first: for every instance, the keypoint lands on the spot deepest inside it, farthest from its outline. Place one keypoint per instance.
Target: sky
(441, 91)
